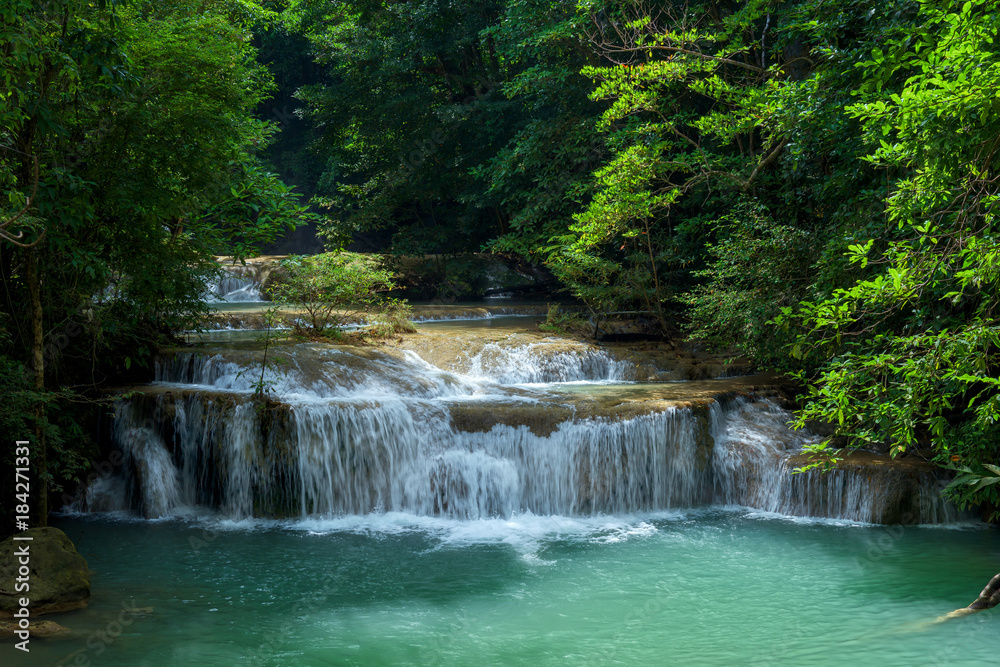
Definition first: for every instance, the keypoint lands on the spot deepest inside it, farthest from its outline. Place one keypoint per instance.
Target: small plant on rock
(394, 318)
(263, 385)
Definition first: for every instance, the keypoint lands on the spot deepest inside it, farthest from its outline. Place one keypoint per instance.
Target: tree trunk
(38, 365)
(990, 597)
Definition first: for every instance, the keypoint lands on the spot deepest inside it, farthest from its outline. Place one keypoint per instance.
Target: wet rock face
(872, 488)
(756, 466)
(58, 577)
(861, 487)
(542, 419)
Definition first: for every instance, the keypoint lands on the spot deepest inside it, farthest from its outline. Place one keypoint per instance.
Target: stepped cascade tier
(356, 430)
(233, 288)
(519, 357)
(240, 283)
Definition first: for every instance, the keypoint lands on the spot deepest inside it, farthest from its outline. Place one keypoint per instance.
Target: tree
(48, 51)
(128, 152)
(693, 116)
(908, 355)
(754, 270)
(331, 288)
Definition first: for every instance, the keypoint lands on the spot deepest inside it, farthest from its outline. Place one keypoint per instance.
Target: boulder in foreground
(57, 576)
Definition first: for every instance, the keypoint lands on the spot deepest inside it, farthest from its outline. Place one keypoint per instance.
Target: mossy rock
(59, 578)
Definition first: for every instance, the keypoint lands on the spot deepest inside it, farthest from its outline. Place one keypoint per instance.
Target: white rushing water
(233, 288)
(356, 457)
(752, 471)
(546, 362)
(359, 432)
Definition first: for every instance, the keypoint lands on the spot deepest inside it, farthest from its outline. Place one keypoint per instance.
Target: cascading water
(239, 283)
(357, 456)
(352, 432)
(546, 362)
(233, 288)
(755, 469)
(155, 489)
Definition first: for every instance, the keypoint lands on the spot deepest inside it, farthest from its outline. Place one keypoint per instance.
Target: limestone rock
(58, 576)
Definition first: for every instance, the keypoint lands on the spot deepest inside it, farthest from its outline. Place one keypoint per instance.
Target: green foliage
(821, 456)
(816, 176)
(686, 104)
(561, 322)
(450, 125)
(971, 488)
(409, 86)
(144, 138)
(910, 352)
(393, 318)
(754, 271)
(68, 445)
(331, 288)
(128, 157)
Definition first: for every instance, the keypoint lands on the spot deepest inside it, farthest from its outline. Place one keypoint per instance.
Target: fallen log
(989, 598)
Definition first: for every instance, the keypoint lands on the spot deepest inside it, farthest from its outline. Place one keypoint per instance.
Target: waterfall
(357, 457)
(157, 487)
(240, 282)
(233, 288)
(310, 372)
(755, 462)
(544, 362)
(356, 431)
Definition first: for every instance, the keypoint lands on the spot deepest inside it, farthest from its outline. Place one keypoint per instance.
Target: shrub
(332, 287)
(394, 318)
(561, 322)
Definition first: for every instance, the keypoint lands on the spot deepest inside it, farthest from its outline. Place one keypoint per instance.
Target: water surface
(699, 587)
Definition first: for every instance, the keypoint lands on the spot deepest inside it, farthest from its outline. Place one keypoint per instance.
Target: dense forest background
(810, 183)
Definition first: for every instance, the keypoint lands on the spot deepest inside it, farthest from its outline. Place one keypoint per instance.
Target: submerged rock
(58, 576)
(35, 629)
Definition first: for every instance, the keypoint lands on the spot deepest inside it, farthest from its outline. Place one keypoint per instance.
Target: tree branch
(5, 225)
